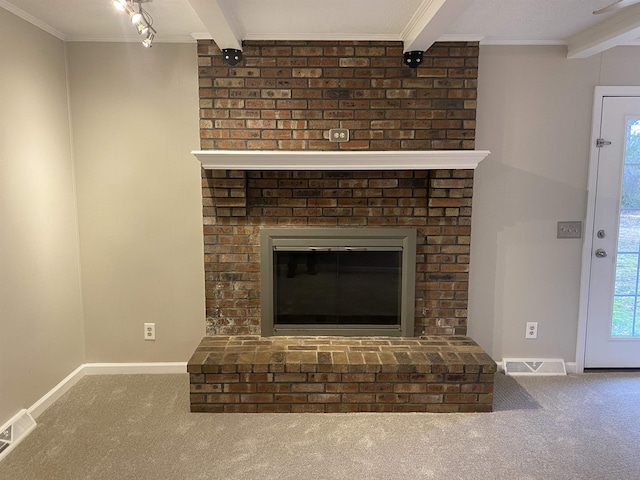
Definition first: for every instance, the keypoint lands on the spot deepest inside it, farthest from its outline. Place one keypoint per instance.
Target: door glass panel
(339, 288)
(305, 287)
(626, 302)
(369, 288)
(623, 313)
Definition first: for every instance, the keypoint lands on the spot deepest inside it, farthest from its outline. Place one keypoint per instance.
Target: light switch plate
(569, 229)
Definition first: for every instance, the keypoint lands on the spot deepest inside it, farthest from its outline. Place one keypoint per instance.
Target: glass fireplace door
(337, 287)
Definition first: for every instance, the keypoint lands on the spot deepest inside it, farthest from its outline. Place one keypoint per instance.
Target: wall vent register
(338, 281)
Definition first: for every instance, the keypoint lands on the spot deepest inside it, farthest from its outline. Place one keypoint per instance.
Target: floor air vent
(14, 431)
(534, 366)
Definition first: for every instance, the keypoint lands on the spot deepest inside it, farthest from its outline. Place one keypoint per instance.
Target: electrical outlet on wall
(532, 330)
(149, 331)
(339, 135)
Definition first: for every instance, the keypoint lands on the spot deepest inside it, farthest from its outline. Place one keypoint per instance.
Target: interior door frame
(587, 245)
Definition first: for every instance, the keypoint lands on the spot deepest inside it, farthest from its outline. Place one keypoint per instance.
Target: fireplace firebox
(338, 281)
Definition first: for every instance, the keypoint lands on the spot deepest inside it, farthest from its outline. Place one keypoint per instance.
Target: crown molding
(130, 39)
(32, 20)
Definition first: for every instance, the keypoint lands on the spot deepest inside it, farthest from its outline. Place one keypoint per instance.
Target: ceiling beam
(217, 18)
(430, 21)
(615, 30)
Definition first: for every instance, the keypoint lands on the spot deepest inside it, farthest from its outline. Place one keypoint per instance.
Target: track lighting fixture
(140, 18)
(120, 6)
(231, 56)
(413, 58)
(148, 41)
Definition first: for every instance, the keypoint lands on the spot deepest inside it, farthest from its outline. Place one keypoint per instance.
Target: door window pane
(623, 313)
(626, 274)
(626, 308)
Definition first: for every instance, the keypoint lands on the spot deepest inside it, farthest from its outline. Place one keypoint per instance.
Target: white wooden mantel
(339, 160)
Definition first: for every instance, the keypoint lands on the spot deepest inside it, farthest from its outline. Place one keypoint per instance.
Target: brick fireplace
(286, 96)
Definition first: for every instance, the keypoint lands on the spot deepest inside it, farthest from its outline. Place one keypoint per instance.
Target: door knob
(600, 253)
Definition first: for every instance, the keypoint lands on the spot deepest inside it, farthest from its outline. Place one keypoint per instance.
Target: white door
(613, 316)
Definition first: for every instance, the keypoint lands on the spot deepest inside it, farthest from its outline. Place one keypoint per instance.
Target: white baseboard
(102, 369)
(134, 368)
(56, 392)
(572, 367)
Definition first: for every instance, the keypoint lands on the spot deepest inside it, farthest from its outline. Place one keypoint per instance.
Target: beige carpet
(139, 427)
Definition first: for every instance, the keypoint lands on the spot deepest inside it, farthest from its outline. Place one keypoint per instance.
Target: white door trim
(599, 95)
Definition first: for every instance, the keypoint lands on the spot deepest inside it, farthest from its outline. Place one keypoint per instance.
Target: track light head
(231, 56)
(413, 58)
(148, 42)
(143, 28)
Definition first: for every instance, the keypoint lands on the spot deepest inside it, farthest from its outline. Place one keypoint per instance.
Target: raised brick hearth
(337, 374)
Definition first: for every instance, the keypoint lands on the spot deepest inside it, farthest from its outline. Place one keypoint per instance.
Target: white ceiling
(415, 22)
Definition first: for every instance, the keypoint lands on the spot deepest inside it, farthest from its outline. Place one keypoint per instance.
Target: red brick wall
(287, 95)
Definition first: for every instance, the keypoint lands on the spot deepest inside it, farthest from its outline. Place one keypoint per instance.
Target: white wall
(123, 207)
(620, 66)
(135, 120)
(41, 329)
(534, 114)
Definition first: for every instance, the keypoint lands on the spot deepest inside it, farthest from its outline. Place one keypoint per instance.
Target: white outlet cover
(532, 330)
(149, 331)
